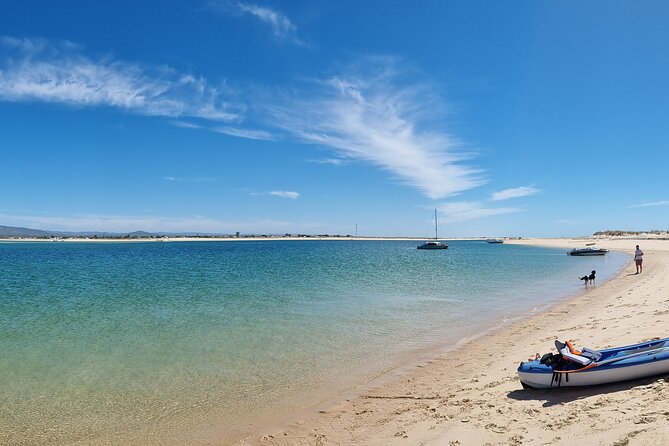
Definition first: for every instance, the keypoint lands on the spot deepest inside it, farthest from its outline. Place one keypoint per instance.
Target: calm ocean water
(146, 343)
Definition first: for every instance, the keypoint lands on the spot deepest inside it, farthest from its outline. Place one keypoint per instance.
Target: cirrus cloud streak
(650, 203)
(469, 210)
(375, 118)
(38, 70)
(282, 27)
(279, 193)
(514, 192)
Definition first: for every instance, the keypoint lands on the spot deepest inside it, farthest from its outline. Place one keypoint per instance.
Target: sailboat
(436, 244)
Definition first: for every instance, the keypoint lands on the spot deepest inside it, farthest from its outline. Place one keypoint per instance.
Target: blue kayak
(570, 367)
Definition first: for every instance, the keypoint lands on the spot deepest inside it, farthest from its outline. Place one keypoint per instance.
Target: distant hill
(14, 231)
(142, 234)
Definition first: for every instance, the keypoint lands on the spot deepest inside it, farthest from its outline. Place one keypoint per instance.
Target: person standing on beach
(638, 259)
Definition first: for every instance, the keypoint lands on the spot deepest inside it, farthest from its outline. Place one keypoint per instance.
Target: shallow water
(157, 342)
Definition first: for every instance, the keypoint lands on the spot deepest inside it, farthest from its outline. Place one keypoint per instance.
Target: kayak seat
(568, 351)
(592, 354)
(578, 359)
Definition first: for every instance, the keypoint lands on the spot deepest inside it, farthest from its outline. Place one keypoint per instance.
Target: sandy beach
(473, 397)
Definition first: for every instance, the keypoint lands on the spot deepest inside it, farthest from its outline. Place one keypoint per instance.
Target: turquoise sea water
(151, 343)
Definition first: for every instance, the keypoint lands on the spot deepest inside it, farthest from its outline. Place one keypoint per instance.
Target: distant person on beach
(638, 259)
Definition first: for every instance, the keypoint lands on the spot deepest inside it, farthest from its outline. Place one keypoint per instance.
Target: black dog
(589, 279)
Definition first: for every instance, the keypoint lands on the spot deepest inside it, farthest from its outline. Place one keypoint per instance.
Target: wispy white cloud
(644, 204)
(514, 192)
(190, 180)
(333, 161)
(38, 70)
(282, 27)
(285, 194)
(186, 125)
(278, 193)
(374, 117)
(262, 135)
(469, 210)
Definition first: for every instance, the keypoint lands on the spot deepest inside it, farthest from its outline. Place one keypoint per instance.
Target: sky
(520, 118)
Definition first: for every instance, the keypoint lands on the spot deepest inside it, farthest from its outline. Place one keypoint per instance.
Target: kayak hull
(617, 365)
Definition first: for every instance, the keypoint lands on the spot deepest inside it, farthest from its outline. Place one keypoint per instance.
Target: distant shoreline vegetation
(180, 236)
(18, 233)
(656, 233)
(14, 232)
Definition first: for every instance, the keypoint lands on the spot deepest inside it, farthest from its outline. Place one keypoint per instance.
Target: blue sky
(512, 118)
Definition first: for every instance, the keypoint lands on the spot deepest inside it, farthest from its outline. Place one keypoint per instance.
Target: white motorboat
(588, 251)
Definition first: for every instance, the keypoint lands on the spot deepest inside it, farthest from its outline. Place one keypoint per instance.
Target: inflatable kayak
(570, 367)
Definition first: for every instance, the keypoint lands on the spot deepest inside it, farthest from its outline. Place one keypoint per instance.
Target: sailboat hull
(433, 245)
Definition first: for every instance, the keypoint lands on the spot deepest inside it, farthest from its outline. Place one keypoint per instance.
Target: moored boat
(436, 244)
(495, 240)
(432, 245)
(588, 251)
(571, 368)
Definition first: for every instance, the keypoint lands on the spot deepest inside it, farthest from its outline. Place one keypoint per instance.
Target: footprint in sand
(517, 439)
(496, 428)
(643, 419)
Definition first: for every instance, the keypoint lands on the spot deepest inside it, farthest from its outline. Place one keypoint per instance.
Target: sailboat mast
(436, 237)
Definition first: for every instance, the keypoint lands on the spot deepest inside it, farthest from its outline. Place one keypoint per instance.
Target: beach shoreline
(471, 394)
(568, 242)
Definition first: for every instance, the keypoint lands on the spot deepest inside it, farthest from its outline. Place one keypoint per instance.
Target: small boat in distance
(495, 240)
(589, 250)
(436, 244)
